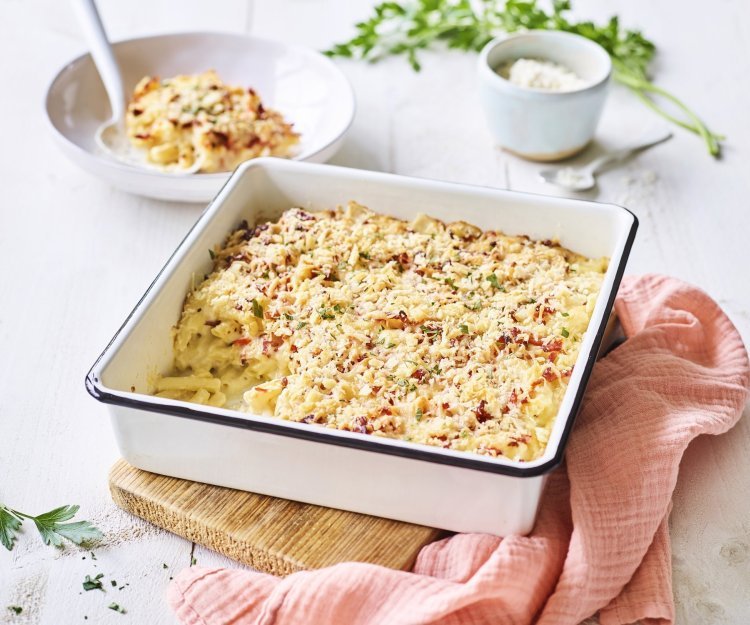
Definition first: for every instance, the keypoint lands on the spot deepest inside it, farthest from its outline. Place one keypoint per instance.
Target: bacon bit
(273, 343)
(402, 258)
(360, 358)
(445, 405)
(293, 349)
(549, 243)
(253, 232)
(304, 216)
(218, 138)
(261, 111)
(549, 375)
(370, 345)
(481, 412)
(390, 401)
(361, 425)
(553, 346)
(386, 411)
(259, 389)
(553, 356)
(143, 136)
(376, 389)
(213, 323)
(241, 341)
(136, 111)
(308, 419)
(513, 397)
(419, 272)
(419, 374)
(532, 340)
(512, 315)
(284, 382)
(566, 373)
(513, 444)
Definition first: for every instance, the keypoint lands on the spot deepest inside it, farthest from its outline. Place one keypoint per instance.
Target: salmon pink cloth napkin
(601, 541)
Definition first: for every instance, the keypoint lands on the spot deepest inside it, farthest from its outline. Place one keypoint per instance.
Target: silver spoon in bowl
(584, 178)
(111, 136)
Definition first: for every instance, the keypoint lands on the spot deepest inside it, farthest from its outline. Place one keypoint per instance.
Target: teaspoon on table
(111, 136)
(584, 178)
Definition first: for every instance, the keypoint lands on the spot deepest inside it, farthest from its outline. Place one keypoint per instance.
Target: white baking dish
(431, 486)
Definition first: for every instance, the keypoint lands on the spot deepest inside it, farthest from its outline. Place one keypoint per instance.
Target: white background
(78, 254)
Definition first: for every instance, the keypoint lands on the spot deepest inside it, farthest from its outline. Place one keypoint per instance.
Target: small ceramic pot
(537, 124)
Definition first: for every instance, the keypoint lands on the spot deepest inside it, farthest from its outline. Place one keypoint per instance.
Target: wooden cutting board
(272, 535)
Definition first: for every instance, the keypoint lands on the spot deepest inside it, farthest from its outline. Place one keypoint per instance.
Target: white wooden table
(78, 254)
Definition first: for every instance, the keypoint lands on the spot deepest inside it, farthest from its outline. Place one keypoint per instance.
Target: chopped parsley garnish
(464, 328)
(324, 314)
(430, 330)
(365, 255)
(265, 275)
(390, 346)
(492, 279)
(257, 309)
(565, 332)
(93, 584)
(16, 609)
(418, 414)
(450, 283)
(113, 582)
(301, 324)
(212, 254)
(116, 607)
(565, 314)
(288, 317)
(337, 308)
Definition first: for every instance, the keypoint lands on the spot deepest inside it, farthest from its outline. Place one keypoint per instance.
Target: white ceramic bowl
(544, 125)
(432, 486)
(303, 84)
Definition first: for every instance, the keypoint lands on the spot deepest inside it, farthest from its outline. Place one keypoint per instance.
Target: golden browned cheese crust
(437, 334)
(197, 119)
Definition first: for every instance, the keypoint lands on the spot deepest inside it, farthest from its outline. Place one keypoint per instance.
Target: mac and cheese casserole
(196, 121)
(434, 333)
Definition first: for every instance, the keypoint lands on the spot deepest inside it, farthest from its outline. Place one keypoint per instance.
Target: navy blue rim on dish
(363, 441)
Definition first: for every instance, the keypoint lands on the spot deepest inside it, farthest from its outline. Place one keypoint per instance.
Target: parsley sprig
(406, 28)
(51, 525)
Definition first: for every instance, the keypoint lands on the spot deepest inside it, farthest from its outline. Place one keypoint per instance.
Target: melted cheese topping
(437, 334)
(193, 119)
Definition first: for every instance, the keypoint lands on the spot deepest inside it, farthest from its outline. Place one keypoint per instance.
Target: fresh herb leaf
(565, 332)
(430, 330)
(301, 324)
(450, 283)
(164, 565)
(407, 28)
(9, 526)
(93, 584)
(464, 328)
(324, 314)
(212, 254)
(492, 279)
(565, 314)
(193, 561)
(116, 607)
(418, 414)
(16, 609)
(257, 309)
(51, 526)
(365, 255)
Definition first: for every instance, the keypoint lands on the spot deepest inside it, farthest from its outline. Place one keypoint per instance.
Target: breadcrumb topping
(432, 333)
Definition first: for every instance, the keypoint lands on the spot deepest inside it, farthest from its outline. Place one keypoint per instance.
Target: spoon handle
(103, 56)
(599, 163)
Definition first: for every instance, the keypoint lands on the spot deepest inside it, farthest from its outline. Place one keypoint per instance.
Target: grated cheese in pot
(432, 333)
(540, 74)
